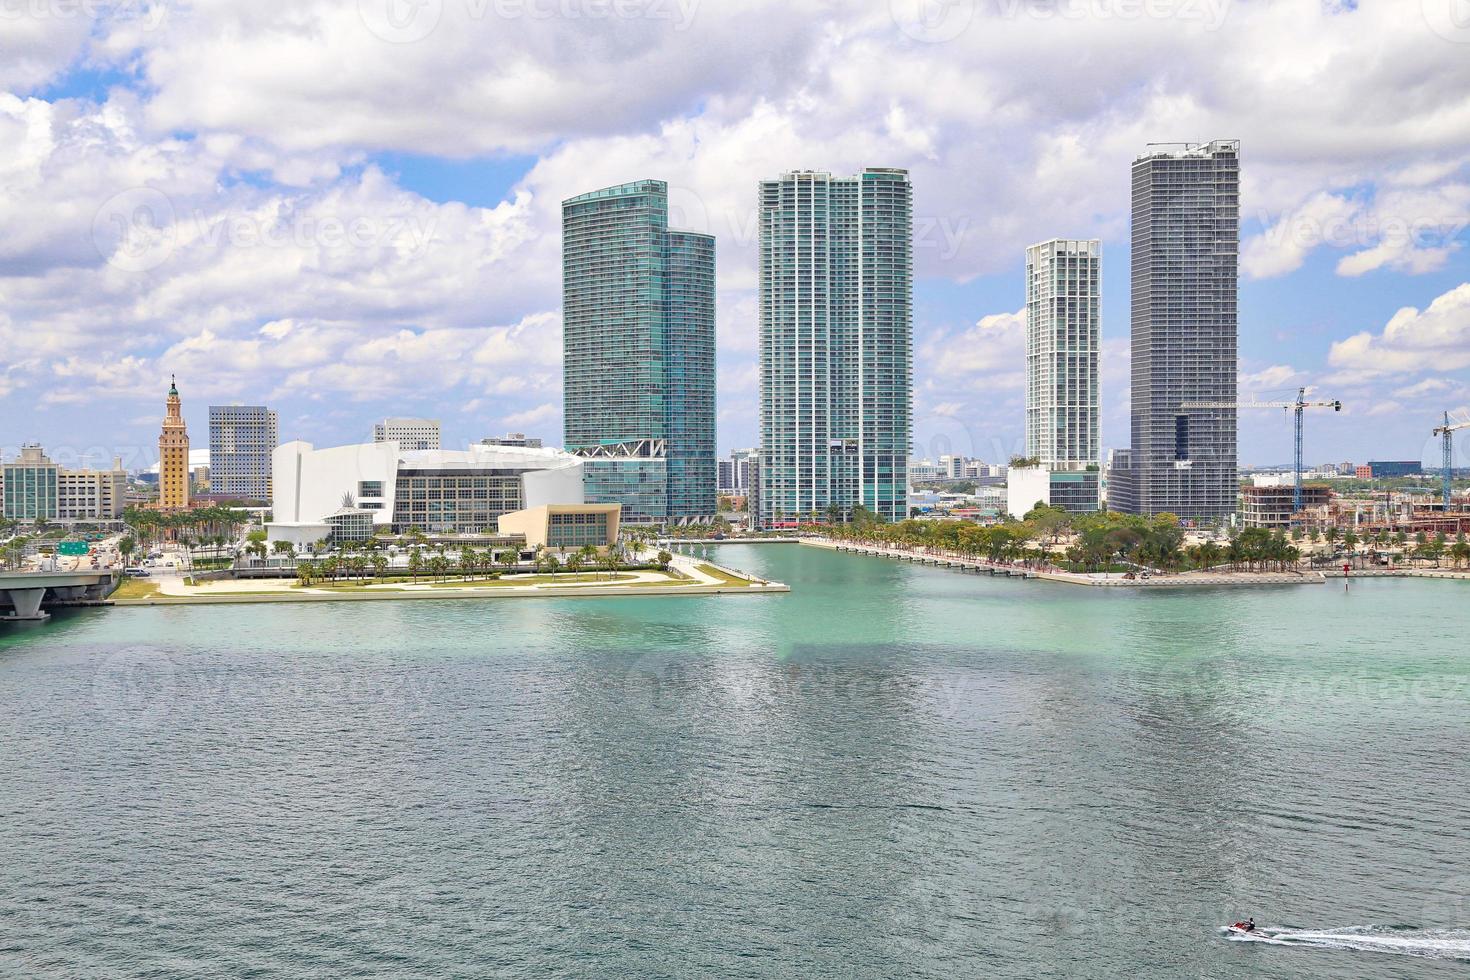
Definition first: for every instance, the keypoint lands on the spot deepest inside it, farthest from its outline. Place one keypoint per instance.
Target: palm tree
(611, 561)
(380, 566)
(588, 554)
(510, 558)
(469, 560)
(574, 562)
(440, 567)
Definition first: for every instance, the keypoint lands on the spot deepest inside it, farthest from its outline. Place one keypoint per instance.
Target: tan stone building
(565, 527)
(173, 455)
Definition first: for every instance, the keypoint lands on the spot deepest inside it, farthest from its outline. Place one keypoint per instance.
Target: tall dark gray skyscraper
(638, 303)
(1186, 243)
(836, 345)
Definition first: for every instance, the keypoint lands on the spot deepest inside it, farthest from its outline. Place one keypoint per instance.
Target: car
(137, 572)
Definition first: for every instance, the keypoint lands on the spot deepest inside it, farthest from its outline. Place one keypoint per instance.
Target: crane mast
(1447, 457)
(1295, 406)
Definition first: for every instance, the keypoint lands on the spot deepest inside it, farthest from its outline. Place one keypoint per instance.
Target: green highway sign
(72, 548)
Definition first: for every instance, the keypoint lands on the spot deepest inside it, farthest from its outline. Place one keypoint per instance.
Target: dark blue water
(892, 771)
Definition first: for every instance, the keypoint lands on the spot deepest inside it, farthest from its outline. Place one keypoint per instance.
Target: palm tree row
(216, 525)
(1098, 541)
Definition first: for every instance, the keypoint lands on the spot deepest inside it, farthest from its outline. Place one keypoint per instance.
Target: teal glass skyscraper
(638, 302)
(836, 345)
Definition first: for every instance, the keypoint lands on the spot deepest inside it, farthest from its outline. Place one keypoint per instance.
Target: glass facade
(1075, 492)
(450, 502)
(836, 345)
(1186, 245)
(569, 531)
(31, 490)
(350, 525)
(640, 485)
(638, 302)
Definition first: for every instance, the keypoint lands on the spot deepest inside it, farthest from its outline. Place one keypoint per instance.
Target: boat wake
(1438, 944)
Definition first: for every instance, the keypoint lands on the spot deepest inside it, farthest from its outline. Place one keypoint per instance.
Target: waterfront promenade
(1050, 573)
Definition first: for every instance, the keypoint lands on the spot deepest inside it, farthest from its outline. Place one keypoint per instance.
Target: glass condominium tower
(638, 302)
(1186, 244)
(836, 345)
(1063, 310)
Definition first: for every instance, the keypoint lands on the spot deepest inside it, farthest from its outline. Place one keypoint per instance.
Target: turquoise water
(892, 771)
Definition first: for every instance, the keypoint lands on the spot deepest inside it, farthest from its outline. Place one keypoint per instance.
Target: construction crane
(1447, 444)
(1296, 406)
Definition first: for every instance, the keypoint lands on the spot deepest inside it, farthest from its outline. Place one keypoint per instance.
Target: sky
(347, 210)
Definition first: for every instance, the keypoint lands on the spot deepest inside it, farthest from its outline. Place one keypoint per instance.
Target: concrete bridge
(24, 593)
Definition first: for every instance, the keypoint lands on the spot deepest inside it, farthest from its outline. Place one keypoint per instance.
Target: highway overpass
(25, 595)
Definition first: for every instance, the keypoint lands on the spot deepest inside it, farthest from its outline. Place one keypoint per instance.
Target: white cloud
(1282, 247)
(1429, 386)
(532, 417)
(282, 260)
(994, 349)
(1269, 379)
(1435, 339)
(1385, 408)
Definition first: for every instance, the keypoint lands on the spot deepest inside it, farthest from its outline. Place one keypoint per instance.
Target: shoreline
(694, 578)
(577, 591)
(1101, 580)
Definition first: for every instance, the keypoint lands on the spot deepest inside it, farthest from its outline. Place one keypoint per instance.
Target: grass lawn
(724, 577)
(135, 588)
(581, 578)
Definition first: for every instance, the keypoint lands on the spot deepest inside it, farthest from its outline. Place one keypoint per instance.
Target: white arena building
(317, 492)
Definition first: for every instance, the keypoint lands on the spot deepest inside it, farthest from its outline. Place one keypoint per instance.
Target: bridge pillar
(27, 603)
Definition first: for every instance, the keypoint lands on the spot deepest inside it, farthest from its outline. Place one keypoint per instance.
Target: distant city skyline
(354, 246)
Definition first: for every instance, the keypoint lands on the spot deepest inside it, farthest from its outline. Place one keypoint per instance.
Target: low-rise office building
(439, 492)
(37, 489)
(1075, 491)
(1381, 469)
(410, 434)
(515, 440)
